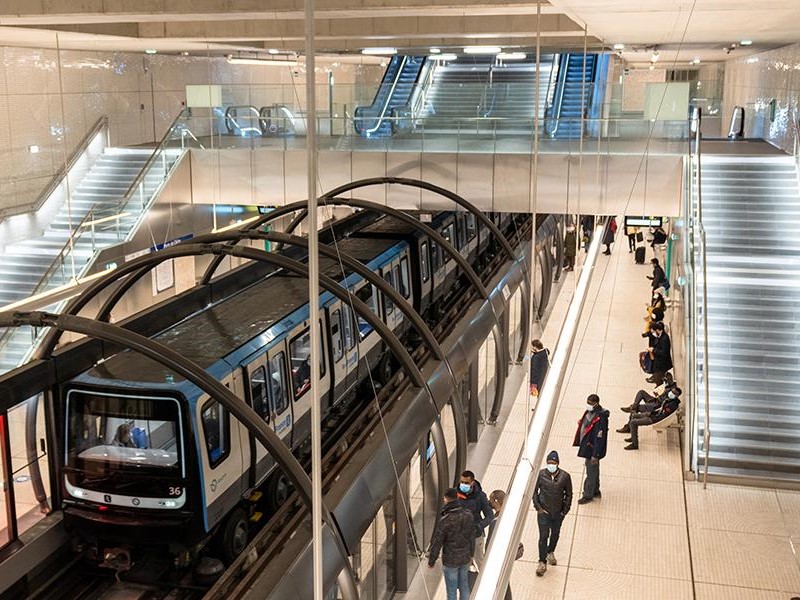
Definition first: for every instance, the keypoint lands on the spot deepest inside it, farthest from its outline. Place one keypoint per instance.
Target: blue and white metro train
(150, 460)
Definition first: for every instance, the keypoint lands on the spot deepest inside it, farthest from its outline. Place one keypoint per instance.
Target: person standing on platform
(591, 438)
(658, 278)
(587, 227)
(608, 236)
(631, 233)
(661, 353)
(454, 536)
(570, 248)
(540, 362)
(474, 499)
(552, 499)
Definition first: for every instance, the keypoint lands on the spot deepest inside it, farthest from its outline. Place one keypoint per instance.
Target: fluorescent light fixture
(483, 50)
(751, 60)
(652, 67)
(654, 57)
(695, 61)
(263, 62)
(511, 56)
(184, 53)
(619, 46)
(435, 51)
(746, 42)
(379, 51)
(34, 149)
(442, 57)
(273, 51)
(150, 51)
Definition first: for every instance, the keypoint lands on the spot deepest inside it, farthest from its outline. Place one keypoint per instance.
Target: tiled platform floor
(652, 535)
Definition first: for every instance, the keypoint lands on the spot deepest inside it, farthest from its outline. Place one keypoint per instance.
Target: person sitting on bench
(646, 402)
(636, 420)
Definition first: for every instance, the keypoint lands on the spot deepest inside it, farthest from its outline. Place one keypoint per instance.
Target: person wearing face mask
(473, 499)
(591, 437)
(658, 277)
(668, 406)
(660, 352)
(646, 402)
(552, 499)
(453, 536)
(540, 362)
(657, 306)
(570, 248)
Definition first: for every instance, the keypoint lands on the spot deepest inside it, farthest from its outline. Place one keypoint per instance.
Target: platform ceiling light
(379, 51)
(33, 149)
(746, 42)
(511, 56)
(619, 46)
(442, 57)
(654, 57)
(436, 51)
(262, 62)
(695, 61)
(273, 51)
(483, 50)
(150, 51)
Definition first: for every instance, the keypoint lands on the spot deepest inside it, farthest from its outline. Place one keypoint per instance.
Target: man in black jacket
(646, 402)
(667, 407)
(552, 499)
(473, 498)
(455, 537)
(658, 278)
(591, 437)
(661, 352)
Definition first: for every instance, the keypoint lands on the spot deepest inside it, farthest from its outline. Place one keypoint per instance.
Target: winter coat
(658, 277)
(593, 443)
(668, 406)
(608, 236)
(478, 505)
(570, 244)
(540, 362)
(662, 352)
(657, 308)
(453, 536)
(553, 493)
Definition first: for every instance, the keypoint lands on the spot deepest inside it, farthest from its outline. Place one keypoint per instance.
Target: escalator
(573, 95)
(394, 93)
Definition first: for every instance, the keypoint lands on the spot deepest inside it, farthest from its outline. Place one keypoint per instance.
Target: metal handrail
(796, 147)
(558, 98)
(63, 170)
(698, 136)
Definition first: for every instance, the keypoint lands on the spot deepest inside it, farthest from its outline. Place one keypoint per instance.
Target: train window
(300, 351)
(405, 289)
(461, 233)
(471, 228)
(348, 327)
(368, 295)
(216, 431)
(435, 257)
(277, 383)
(423, 261)
(388, 305)
(336, 336)
(449, 235)
(258, 392)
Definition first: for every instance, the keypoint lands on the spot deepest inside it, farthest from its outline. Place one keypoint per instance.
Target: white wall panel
(403, 164)
(475, 179)
(511, 175)
(335, 169)
(296, 184)
(442, 170)
(366, 165)
(268, 177)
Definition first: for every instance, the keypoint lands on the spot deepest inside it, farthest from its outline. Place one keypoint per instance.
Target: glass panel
(388, 305)
(277, 380)
(216, 431)
(5, 530)
(347, 327)
(405, 289)
(368, 295)
(336, 336)
(258, 392)
(424, 261)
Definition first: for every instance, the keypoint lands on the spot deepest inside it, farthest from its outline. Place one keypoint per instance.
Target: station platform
(653, 534)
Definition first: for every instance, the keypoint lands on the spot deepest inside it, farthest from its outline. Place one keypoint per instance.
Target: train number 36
(175, 490)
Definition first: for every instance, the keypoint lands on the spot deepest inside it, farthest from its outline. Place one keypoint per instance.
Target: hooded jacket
(593, 442)
(453, 537)
(540, 362)
(478, 505)
(668, 406)
(553, 493)
(662, 352)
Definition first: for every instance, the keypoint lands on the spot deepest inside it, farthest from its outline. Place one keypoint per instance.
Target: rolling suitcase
(639, 255)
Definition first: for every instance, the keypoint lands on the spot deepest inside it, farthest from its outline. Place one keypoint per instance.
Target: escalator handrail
(232, 117)
(563, 67)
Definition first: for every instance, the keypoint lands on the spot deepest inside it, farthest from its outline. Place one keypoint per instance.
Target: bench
(672, 420)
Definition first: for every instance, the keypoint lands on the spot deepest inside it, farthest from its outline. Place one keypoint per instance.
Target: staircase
(394, 92)
(574, 94)
(751, 213)
(476, 87)
(37, 265)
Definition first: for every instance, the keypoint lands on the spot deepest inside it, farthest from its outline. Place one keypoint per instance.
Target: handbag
(645, 362)
(639, 236)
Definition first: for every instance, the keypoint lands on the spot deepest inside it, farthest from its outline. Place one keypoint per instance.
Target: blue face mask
(552, 468)
(464, 488)
(589, 407)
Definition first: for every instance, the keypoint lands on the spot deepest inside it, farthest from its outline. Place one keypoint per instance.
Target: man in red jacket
(591, 437)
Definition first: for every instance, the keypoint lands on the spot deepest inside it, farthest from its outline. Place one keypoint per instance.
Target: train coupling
(117, 559)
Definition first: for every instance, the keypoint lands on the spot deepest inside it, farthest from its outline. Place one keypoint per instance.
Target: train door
(392, 315)
(299, 364)
(344, 356)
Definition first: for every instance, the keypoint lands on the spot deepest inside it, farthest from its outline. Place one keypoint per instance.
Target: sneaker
(627, 409)
(598, 494)
(632, 447)
(551, 559)
(629, 440)
(624, 429)
(541, 569)
(583, 500)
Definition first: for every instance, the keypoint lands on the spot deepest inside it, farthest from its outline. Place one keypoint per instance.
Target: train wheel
(278, 490)
(385, 370)
(232, 539)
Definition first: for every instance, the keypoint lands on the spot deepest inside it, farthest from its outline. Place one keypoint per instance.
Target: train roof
(236, 326)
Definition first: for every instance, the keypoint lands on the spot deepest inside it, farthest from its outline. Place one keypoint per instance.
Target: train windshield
(107, 434)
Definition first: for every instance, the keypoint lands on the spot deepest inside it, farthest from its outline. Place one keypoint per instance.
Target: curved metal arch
(147, 262)
(498, 331)
(195, 374)
(466, 205)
